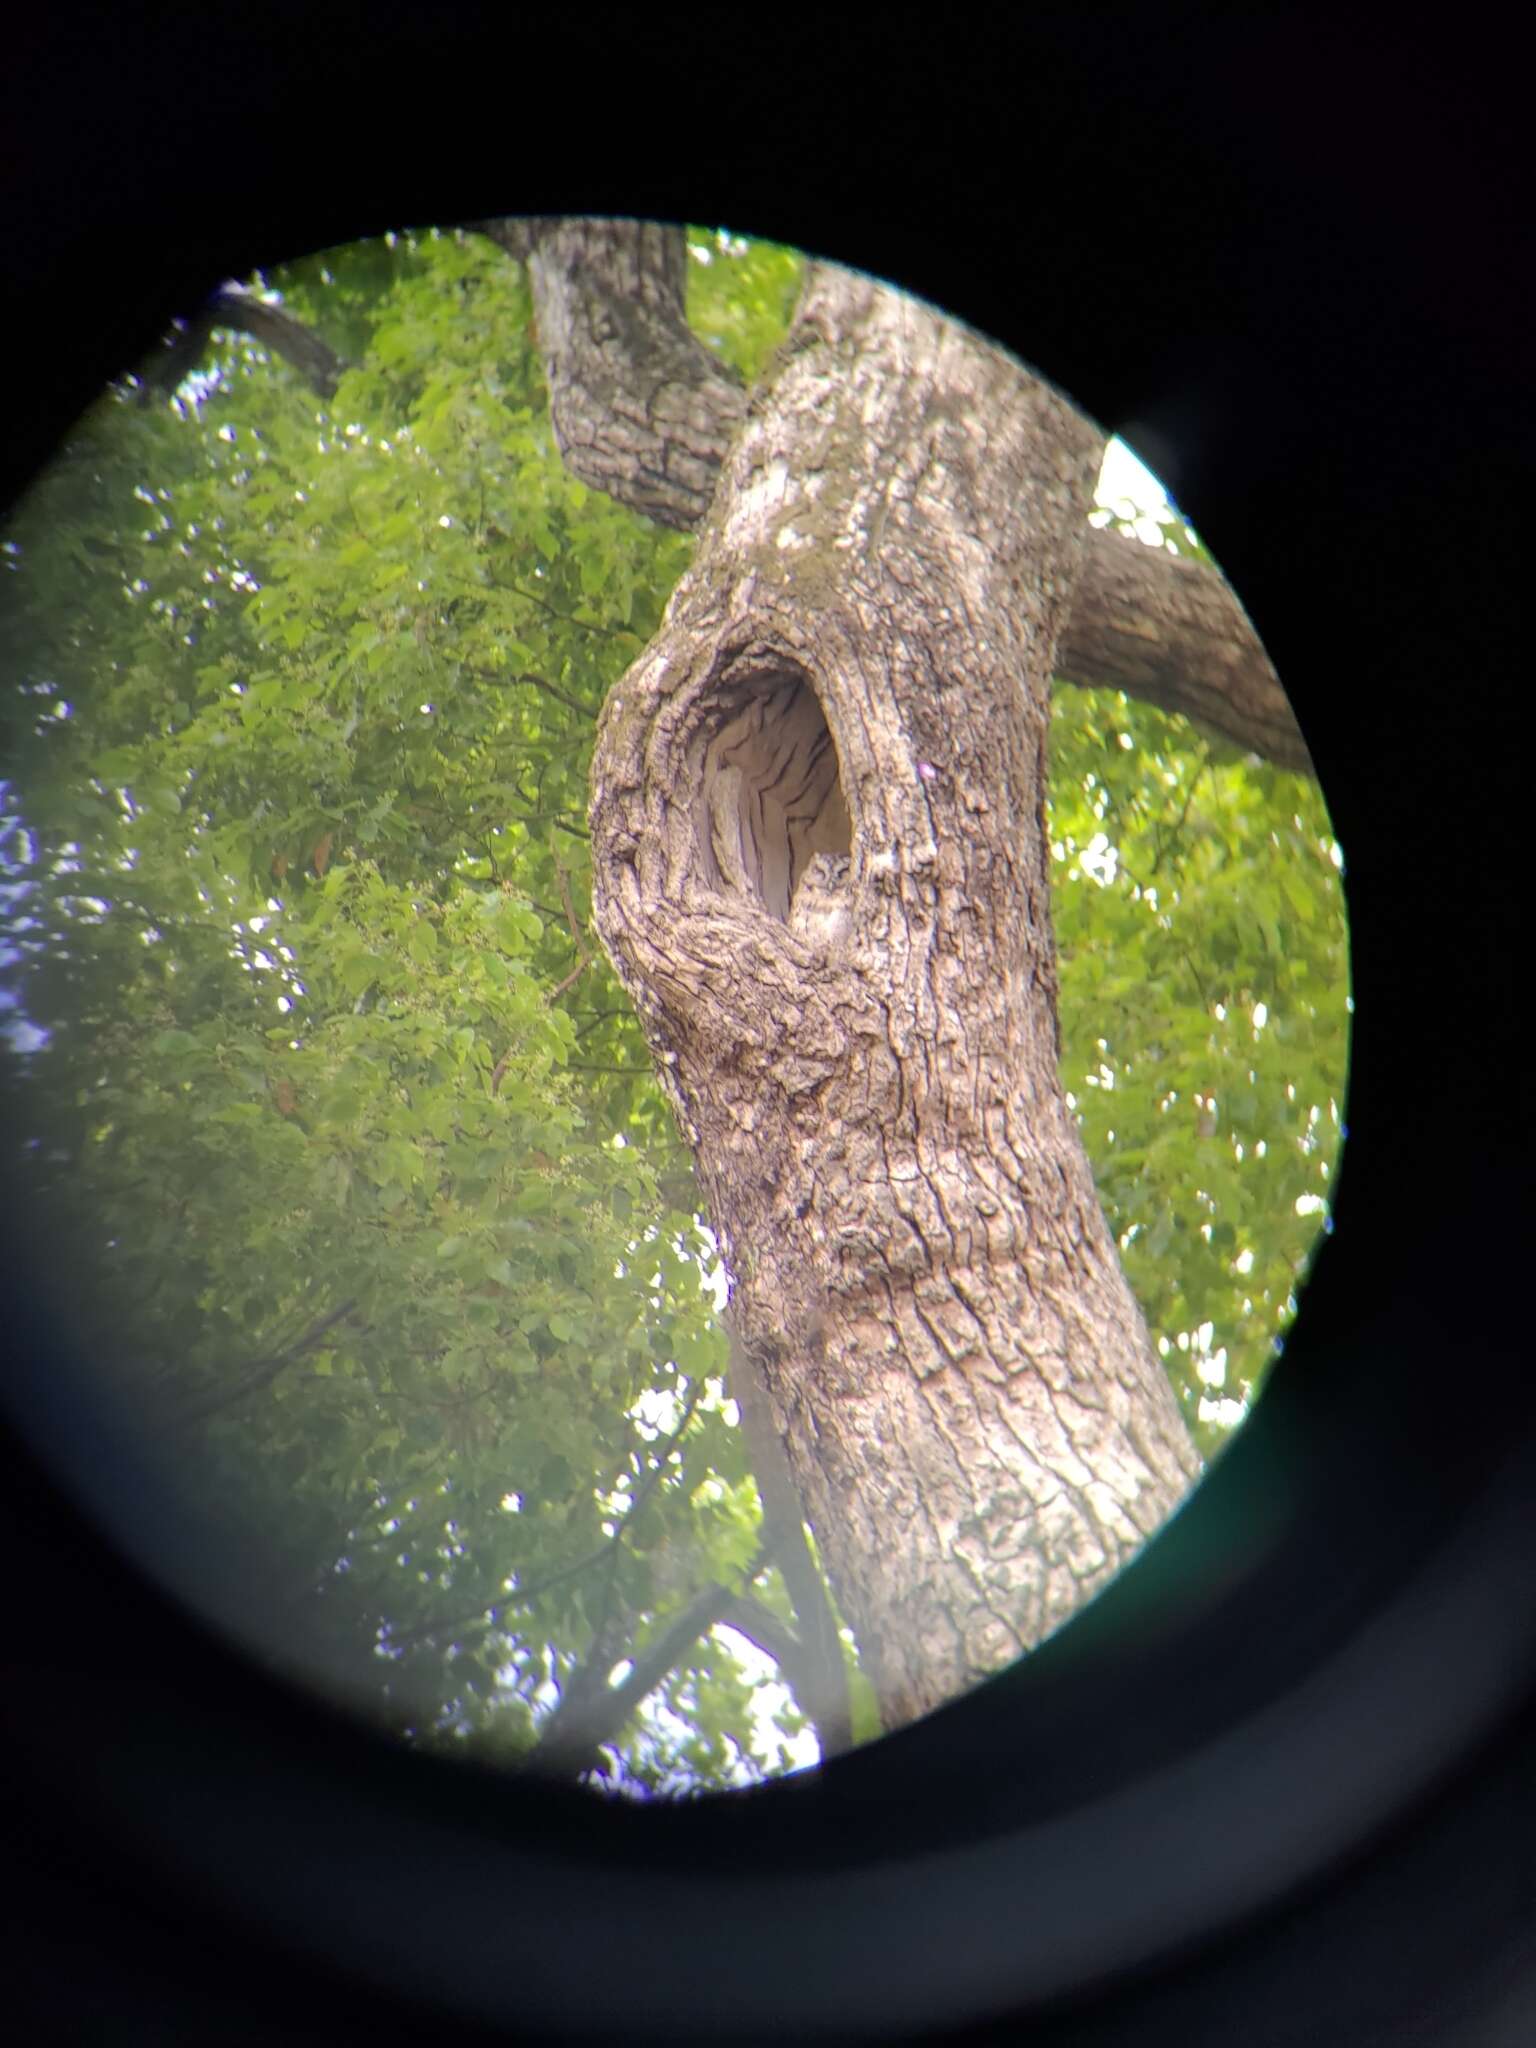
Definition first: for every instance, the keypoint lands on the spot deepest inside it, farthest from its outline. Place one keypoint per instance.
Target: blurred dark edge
(1326, 361)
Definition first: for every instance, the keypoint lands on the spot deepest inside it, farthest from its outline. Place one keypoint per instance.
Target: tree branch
(590, 1714)
(525, 1595)
(263, 1372)
(640, 407)
(800, 1666)
(1170, 631)
(233, 307)
(539, 683)
(584, 960)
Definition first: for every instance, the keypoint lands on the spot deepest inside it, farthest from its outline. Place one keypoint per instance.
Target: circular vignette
(1404, 1358)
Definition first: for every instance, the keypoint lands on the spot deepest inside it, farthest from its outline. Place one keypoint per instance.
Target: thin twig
(563, 881)
(566, 618)
(550, 689)
(264, 1371)
(606, 1552)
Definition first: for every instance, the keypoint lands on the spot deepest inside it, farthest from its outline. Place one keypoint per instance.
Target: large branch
(642, 411)
(592, 1712)
(241, 311)
(1169, 630)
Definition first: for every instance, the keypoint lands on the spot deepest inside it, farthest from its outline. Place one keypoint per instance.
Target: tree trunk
(821, 869)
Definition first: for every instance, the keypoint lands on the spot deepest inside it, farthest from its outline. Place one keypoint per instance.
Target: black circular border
(1309, 227)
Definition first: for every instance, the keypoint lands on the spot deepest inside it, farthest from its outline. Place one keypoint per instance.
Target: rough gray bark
(1169, 630)
(640, 407)
(859, 664)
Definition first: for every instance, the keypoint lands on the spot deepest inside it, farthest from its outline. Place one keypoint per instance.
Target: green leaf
(175, 1044)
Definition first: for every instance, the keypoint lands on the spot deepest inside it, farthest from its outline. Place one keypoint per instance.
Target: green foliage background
(328, 1102)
